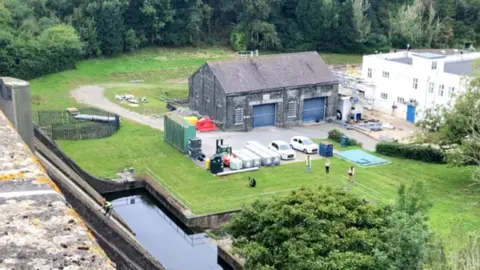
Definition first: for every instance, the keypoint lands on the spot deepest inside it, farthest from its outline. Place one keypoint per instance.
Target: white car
(281, 147)
(304, 144)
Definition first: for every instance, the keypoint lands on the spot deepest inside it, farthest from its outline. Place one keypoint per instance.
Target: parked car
(304, 144)
(281, 147)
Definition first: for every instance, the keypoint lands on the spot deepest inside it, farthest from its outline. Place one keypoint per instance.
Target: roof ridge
(260, 57)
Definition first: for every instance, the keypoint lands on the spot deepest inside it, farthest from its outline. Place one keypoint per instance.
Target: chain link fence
(89, 123)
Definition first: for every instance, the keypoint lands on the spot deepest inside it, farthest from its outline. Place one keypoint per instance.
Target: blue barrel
(344, 141)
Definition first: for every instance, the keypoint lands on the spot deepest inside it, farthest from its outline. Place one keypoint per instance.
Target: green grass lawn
(144, 149)
(165, 68)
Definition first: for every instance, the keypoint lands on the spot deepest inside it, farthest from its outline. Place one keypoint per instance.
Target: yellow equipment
(207, 163)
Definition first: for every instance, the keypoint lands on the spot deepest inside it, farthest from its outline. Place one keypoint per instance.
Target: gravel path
(93, 95)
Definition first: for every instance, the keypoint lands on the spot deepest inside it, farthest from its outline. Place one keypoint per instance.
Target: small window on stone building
(207, 99)
(196, 94)
(292, 109)
(239, 116)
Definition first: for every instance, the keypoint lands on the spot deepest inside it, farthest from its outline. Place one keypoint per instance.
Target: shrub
(411, 151)
(336, 135)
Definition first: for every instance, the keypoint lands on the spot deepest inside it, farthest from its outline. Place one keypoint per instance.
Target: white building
(406, 83)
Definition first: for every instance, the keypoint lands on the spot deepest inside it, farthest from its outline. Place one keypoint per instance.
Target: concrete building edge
(96, 220)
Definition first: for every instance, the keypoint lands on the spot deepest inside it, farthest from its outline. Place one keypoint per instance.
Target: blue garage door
(264, 115)
(411, 113)
(313, 109)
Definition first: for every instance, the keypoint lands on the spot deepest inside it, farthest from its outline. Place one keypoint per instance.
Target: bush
(336, 135)
(411, 151)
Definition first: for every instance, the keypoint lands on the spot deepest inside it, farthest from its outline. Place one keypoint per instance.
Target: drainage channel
(165, 237)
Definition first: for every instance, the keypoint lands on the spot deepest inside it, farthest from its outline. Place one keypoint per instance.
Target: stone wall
(124, 250)
(281, 97)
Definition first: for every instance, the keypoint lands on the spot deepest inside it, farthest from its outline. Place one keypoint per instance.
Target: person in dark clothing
(327, 166)
(253, 182)
(107, 207)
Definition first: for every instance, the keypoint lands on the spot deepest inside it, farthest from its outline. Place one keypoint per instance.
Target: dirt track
(93, 95)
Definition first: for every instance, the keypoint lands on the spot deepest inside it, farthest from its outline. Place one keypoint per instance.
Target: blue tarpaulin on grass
(362, 158)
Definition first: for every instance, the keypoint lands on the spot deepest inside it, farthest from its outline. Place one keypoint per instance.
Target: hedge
(336, 135)
(411, 151)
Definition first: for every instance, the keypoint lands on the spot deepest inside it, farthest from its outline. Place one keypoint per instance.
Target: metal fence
(64, 126)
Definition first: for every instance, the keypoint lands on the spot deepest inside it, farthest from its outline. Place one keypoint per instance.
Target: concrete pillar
(15, 102)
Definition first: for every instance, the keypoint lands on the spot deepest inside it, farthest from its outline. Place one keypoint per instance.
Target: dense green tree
(109, 27)
(332, 229)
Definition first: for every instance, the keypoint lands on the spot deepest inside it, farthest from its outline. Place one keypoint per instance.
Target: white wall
(400, 81)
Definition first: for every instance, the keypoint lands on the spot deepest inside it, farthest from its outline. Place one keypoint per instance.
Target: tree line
(43, 36)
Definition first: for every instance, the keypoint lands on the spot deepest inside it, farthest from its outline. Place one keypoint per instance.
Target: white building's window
(292, 109)
(239, 116)
(434, 65)
(451, 90)
(369, 73)
(431, 87)
(415, 83)
(386, 74)
(400, 100)
(441, 87)
(384, 95)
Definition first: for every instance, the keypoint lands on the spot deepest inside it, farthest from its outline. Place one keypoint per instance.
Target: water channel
(172, 243)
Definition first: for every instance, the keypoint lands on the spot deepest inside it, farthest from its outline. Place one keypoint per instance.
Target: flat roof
(461, 68)
(39, 230)
(429, 55)
(402, 60)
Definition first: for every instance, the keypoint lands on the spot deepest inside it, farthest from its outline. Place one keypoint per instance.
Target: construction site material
(96, 118)
(276, 157)
(207, 163)
(266, 159)
(236, 164)
(206, 124)
(246, 159)
(73, 111)
(192, 119)
(238, 171)
(178, 132)
(256, 160)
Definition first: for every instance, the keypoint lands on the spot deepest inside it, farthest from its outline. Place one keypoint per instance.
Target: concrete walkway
(93, 95)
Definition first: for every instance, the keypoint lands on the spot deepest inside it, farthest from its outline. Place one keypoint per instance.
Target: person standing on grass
(308, 163)
(351, 173)
(327, 166)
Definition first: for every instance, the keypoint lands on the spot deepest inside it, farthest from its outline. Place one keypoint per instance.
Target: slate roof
(271, 72)
(429, 55)
(402, 60)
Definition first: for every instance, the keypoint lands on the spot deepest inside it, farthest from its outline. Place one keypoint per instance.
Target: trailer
(246, 160)
(266, 158)
(276, 157)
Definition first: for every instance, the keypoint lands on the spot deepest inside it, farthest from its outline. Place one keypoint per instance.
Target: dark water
(174, 245)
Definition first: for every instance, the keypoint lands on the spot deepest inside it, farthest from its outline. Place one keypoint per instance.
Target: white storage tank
(266, 158)
(276, 157)
(256, 160)
(247, 161)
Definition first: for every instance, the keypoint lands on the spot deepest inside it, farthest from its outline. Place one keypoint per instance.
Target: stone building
(276, 90)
